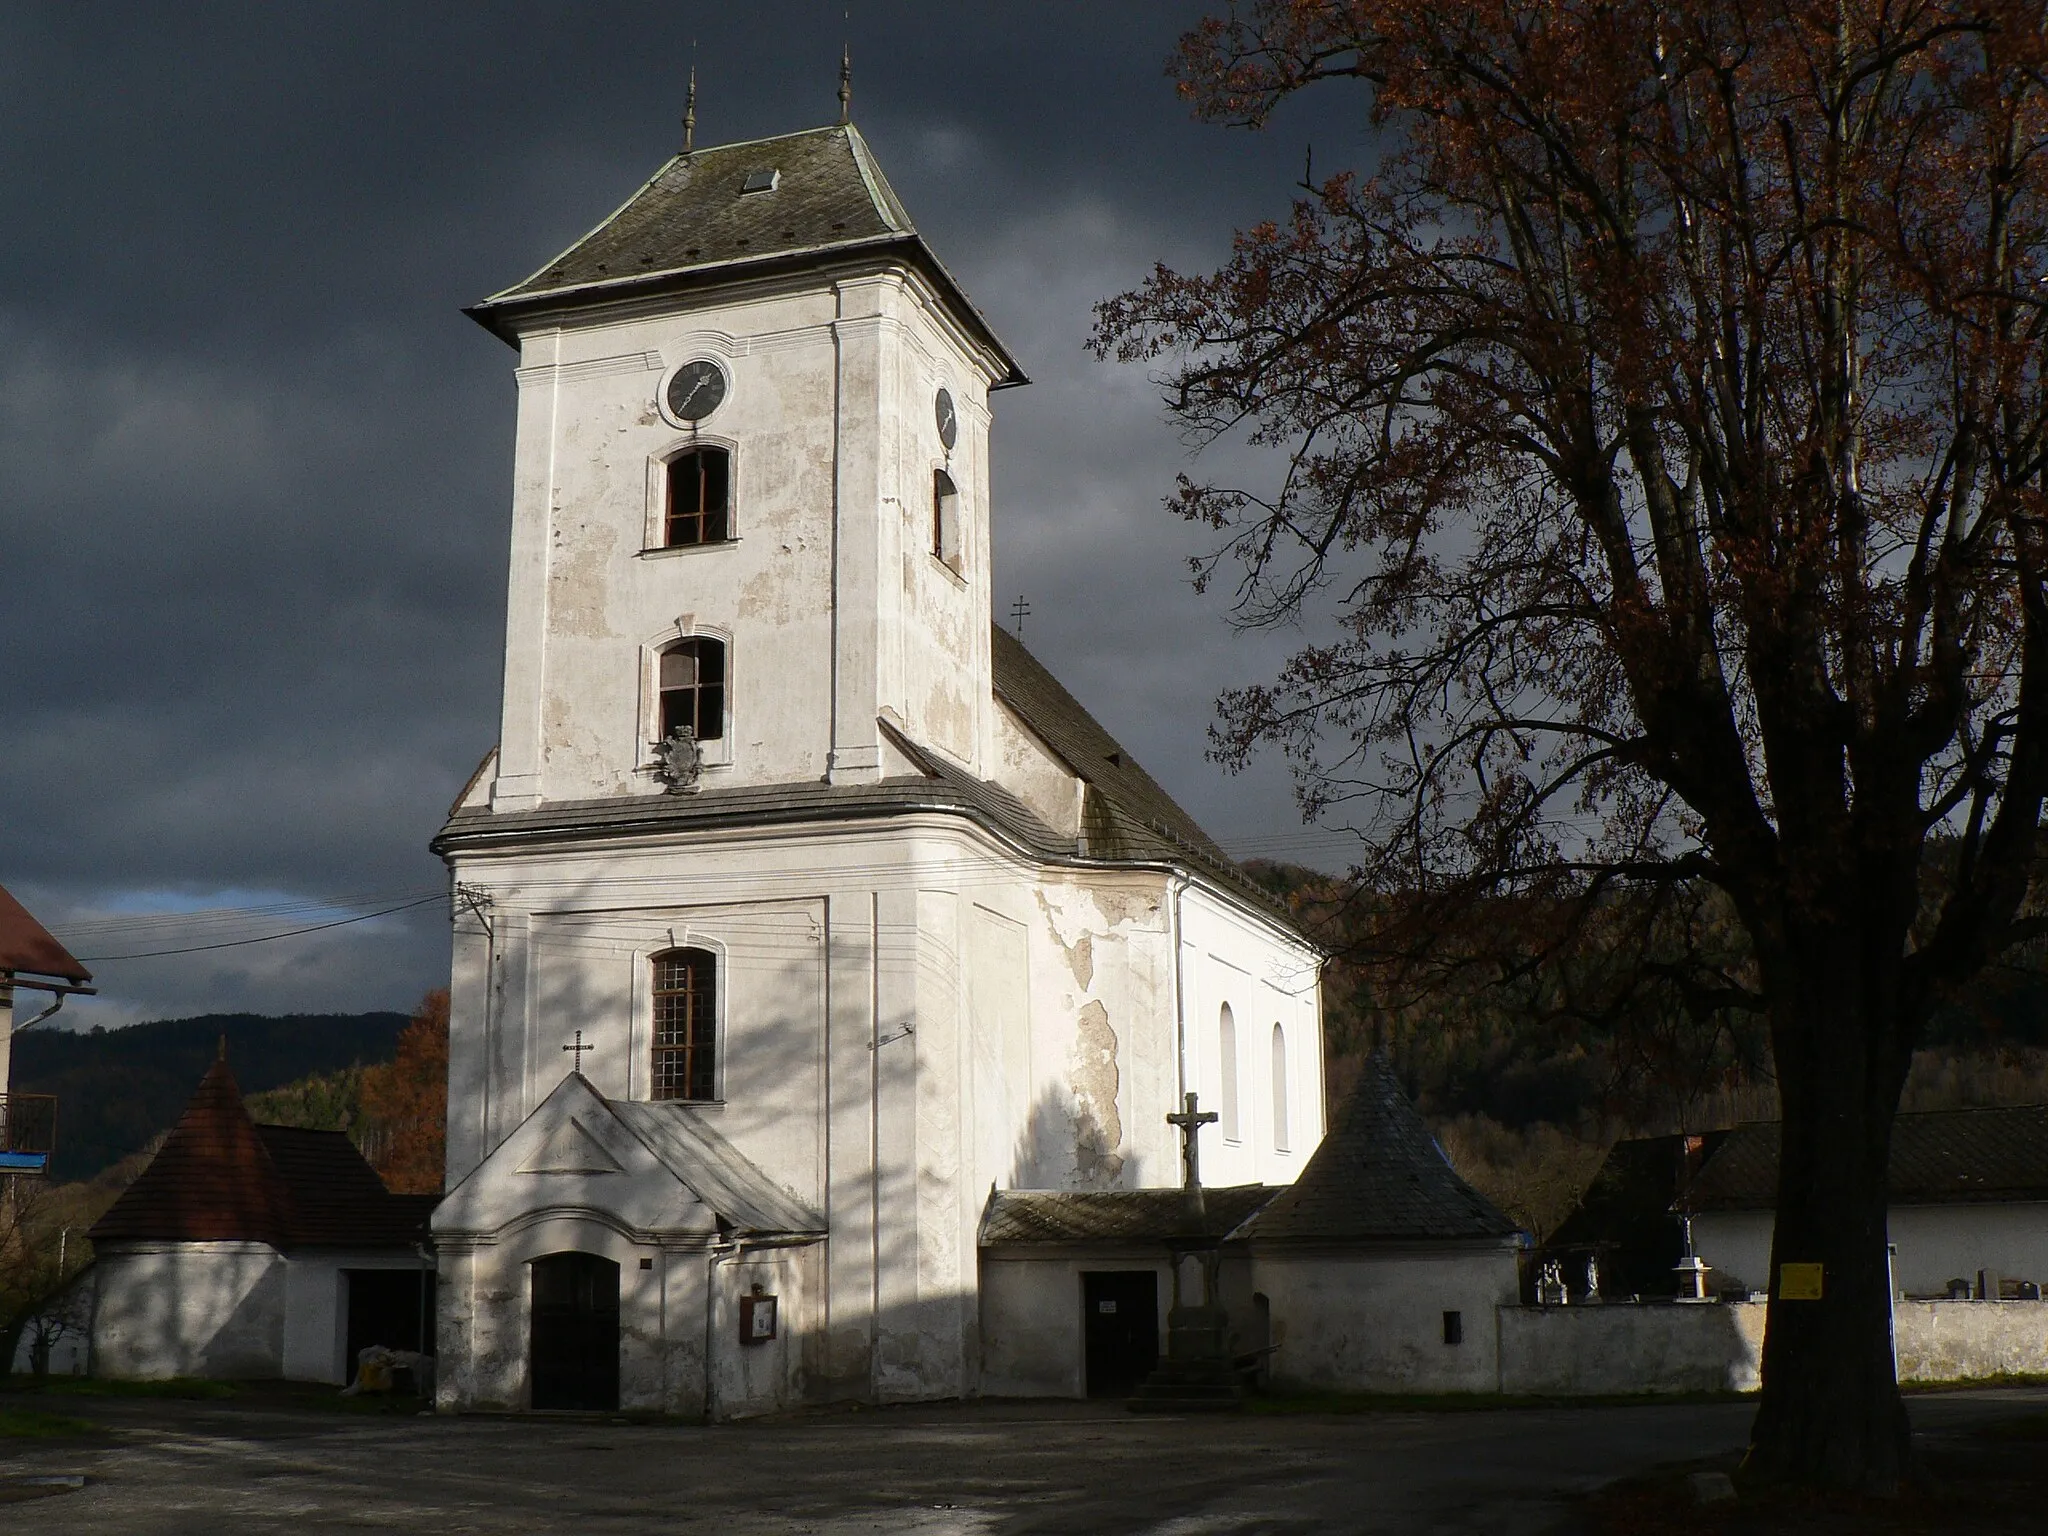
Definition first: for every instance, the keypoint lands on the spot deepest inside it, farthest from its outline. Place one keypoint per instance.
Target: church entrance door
(574, 1345)
(1120, 1328)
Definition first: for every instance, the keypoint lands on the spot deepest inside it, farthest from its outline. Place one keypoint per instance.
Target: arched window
(1279, 1089)
(945, 518)
(1227, 1040)
(685, 1024)
(693, 688)
(699, 497)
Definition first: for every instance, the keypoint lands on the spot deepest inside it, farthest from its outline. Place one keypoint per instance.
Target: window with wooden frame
(685, 1063)
(945, 518)
(1280, 1132)
(692, 686)
(699, 498)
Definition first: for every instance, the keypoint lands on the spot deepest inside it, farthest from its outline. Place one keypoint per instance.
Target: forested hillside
(118, 1088)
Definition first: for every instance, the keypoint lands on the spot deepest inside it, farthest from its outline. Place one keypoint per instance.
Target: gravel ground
(175, 1467)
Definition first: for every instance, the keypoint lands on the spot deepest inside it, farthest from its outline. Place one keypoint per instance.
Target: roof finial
(690, 112)
(220, 1052)
(846, 84)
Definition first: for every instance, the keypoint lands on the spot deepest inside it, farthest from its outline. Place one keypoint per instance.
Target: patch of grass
(1467, 1402)
(182, 1387)
(28, 1424)
(1974, 1383)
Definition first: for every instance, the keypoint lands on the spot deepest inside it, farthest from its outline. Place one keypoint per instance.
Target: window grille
(685, 1025)
(699, 497)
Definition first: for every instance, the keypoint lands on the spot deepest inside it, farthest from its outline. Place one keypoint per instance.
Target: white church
(824, 974)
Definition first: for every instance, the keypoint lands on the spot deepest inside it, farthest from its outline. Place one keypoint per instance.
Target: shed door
(575, 1339)
(1120, 1327)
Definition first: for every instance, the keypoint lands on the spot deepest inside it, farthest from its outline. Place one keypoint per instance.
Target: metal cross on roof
(577, 1048)
(1019, 612)
(1190, 1121)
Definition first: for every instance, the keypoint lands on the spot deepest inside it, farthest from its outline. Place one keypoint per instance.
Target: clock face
(696, 390)
(949, 422)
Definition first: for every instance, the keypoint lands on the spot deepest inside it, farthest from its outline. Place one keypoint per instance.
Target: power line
(290, 933)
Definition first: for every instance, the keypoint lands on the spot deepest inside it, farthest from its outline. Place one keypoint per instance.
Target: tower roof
(1379, 1176)
(734, 210)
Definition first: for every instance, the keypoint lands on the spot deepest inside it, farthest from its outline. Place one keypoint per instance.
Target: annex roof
(1113, 1216)
(714, 1170)
(27, 949)
(220, 1177)
(1938, 1157)
(1378, 1176)
(695, 220)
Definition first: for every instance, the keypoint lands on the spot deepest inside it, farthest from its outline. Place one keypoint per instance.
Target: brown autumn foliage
(405, 1100)
(1664, 420)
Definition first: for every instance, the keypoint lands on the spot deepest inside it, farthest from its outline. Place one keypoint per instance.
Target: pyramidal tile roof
(221, 1177)
(213, 1181)
(728, 210)
(1378, 1176)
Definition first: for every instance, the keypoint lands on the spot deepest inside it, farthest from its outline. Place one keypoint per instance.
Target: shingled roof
(220, 1177)
(27, 948)
(820, 196)
(1939, 1157)
(1379, 1176)
(1048, 1216)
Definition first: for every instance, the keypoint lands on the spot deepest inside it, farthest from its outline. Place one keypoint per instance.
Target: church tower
(751, 498)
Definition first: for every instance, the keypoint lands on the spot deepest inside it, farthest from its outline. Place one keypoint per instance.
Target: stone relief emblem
(679, 761)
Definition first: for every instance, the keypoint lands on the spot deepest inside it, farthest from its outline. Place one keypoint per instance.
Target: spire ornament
(845, 84)
(690, 113)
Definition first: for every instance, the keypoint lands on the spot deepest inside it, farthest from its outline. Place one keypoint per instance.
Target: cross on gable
(577, 1048)
(1190, 1121)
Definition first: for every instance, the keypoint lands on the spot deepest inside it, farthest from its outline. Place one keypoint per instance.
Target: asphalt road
(171, 1467)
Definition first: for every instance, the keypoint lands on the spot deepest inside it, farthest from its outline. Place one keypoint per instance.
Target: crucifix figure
(1190, 1122)
(578, 1048)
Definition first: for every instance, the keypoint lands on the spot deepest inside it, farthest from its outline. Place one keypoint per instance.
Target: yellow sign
(1799, 1282)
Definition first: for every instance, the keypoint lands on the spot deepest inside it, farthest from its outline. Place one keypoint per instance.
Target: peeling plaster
(1095, 1079)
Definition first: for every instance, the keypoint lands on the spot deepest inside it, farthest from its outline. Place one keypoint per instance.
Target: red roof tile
(26, 946)
(223, 1178)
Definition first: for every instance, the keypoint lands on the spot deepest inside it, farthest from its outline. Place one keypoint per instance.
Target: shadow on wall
(1063, 1146)
(196, 1309)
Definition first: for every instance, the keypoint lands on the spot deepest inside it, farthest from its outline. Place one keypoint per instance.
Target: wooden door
(574, 1345)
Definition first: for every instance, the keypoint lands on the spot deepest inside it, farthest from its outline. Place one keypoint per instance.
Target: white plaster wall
(1619, 1348)
(1669, 1347)
(1936, 1243)
(1357, 1323)
(779, 1373)
(1970, 1340)
(831, 384)
(1267, 978)
(1032, 1320)
(189, 1309)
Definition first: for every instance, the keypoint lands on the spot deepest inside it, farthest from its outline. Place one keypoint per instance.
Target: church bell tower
(750, 529)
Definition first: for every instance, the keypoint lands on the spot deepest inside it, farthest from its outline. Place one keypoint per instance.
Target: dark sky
(255, 464)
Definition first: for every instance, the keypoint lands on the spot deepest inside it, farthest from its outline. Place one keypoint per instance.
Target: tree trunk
(1831, 1413)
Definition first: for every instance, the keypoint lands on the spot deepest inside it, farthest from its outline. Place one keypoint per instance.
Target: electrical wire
(266, 938)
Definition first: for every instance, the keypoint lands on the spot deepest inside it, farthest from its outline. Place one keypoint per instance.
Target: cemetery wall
(1616, 1348)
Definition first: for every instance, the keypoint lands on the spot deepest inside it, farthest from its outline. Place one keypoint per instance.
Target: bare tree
(1664, 430)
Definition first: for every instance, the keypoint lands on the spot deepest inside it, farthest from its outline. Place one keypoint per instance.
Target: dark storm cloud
(255, 466)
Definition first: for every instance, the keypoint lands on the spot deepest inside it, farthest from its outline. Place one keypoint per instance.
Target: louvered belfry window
(685, 1024)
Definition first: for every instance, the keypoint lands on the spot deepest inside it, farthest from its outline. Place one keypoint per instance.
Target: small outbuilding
(248, 1251)
(1969, 1203)
(1380, 1268)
